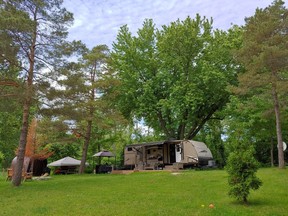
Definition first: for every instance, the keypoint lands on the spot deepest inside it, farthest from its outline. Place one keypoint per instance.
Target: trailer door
(178, 152)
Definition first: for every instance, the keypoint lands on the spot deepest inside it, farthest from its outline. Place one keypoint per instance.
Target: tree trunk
(245, 200)
(271, 153)
(85, 147)
(278, 127)
(163, 125)
(17, 173)
(16, 180)
(182, 126)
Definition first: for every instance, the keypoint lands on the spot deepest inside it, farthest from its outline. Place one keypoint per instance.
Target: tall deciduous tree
(36, 28)
(264, 55)
(175, 78)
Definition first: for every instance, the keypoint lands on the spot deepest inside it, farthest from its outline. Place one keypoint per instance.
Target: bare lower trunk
(85, 147)
(245, 200)
(16, 180)
(17, 173)
(271, 153)
(163, 125)
(278, 128)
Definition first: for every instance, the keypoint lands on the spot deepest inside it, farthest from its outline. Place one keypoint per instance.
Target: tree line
(185, 80)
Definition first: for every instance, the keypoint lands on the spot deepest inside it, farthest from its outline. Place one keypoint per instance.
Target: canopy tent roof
(104, 153)
(67, 161)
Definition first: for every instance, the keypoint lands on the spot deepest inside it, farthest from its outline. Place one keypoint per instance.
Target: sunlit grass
(155, 193)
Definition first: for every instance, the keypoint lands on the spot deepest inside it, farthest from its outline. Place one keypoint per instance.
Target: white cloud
(98, 22)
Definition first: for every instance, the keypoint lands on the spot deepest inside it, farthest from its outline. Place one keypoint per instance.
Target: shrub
(242, 168)
(1, 157)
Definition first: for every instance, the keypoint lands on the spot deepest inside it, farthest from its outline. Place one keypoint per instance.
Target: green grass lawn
(153, 193)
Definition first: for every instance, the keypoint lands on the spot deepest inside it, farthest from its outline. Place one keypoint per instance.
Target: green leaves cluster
(242, 168)
(61, 150)
(9, 133)
(175, 78)
(1, 157)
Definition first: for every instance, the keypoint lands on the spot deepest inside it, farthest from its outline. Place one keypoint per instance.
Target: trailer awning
(154, 143)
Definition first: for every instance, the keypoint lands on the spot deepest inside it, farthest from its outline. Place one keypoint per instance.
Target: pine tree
(36, 28)
(264, 55)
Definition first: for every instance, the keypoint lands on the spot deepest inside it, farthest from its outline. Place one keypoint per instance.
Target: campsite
(143, 107)
(144, 193)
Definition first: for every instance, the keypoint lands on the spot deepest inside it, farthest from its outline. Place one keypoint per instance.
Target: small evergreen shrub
(242, 167)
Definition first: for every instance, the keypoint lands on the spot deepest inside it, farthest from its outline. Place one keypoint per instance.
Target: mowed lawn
(149, 193)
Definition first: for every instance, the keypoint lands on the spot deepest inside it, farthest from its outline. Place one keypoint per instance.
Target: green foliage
(81, 101)
(211, 134)
(264, 52)
(264, 56)
(242, 168)
(253, 116)
(241, 163)
(24, 23)
(53, 134)
(1, 157)
(175, 78)
(9, 133)
(243, 127)
(36, 29)
(61, 150)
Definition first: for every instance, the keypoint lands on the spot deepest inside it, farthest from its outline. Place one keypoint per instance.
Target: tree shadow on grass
(252, 202)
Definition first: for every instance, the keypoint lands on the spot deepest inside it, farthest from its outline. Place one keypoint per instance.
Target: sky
(97, 22)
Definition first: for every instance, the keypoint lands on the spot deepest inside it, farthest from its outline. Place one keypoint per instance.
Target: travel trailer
(158, 155)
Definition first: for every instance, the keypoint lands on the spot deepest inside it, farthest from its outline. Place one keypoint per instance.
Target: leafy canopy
(175, 78)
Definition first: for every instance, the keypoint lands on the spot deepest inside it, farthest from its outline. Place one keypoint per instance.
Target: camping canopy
(67, 161)
(104, 154)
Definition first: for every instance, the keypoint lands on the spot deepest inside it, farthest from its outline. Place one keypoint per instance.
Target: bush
(1, 157)
(242, 168)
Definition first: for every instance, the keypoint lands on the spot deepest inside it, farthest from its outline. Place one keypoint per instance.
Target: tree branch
(9, 83)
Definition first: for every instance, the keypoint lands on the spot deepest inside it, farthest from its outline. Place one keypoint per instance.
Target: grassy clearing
(157, 193)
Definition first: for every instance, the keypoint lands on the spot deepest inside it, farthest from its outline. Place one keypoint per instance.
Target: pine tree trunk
(271, 153)
(16, 180)
(278, 128)
(17, 177)
(85, 147)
